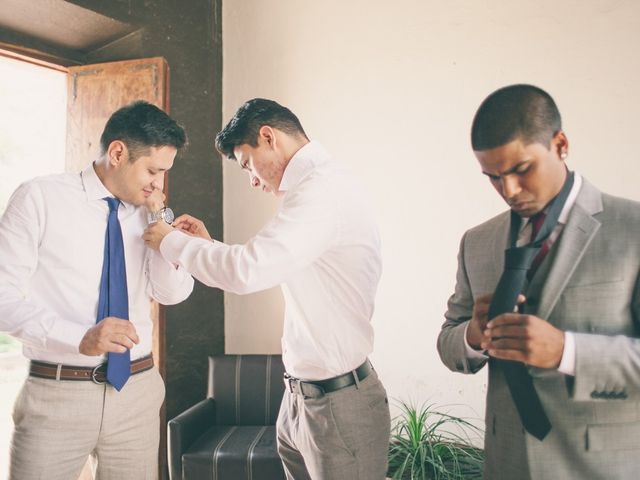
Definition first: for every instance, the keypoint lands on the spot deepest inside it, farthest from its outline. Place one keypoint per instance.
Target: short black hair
(523, 112)
(141, 125)
(245, 125)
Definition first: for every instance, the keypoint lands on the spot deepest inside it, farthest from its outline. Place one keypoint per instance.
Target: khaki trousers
(341, 435)
(58, 424)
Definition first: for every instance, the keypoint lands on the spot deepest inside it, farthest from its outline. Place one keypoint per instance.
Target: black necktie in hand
(518, 261)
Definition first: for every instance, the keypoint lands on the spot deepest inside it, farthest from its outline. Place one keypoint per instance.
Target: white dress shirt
(568, 361)
(323, 247)
(51, 253)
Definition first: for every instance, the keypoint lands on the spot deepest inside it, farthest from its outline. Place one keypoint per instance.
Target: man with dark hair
(323, 249)
(76, 282)
(140, 125)
(548, 294)
(245, 125)
(520, 111)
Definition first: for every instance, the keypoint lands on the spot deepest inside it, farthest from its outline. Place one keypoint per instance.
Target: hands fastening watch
(156, 208)
(157, 229)
(165, 214)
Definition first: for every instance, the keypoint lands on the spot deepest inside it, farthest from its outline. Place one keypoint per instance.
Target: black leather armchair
(230, 435)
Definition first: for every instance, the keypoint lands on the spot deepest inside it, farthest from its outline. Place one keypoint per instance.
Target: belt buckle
(289, 381)
(94, 373)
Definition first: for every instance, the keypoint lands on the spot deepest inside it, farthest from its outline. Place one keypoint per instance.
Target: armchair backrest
(247, 389)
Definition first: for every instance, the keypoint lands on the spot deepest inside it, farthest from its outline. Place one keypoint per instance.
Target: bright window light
(33, 111)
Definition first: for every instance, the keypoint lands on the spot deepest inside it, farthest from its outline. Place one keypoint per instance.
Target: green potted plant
(427, 444)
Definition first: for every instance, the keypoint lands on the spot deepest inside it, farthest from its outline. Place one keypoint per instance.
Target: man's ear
(268, 134)
(117, 153)
(560, 144)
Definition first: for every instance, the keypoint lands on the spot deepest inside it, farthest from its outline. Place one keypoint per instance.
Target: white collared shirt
(568, 361)
(51, 253)
(323, 247)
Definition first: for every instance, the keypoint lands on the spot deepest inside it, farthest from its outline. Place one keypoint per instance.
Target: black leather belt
(313, 387)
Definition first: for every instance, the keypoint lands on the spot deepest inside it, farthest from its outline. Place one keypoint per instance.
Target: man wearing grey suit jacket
(578, 321)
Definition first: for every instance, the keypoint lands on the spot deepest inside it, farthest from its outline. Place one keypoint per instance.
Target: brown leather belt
(97, 374)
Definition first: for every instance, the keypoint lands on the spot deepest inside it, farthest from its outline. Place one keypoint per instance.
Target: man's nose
(255, 181)
(158, 182)
(510, 186)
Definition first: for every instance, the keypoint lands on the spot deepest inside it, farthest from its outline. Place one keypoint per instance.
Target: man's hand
(191, 226)
(155, 201)
(478, 323)
(524, 338)
(110, 334)
(154, 234)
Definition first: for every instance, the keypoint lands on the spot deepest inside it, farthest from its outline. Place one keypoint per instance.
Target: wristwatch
(165, 214)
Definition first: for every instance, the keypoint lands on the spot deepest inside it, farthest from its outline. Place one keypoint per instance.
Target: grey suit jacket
(588, 284)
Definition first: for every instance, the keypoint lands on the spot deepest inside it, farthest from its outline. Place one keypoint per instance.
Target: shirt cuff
(172, 246)
(568, 362)
(168, 283)
(470, 352)
(161, 268)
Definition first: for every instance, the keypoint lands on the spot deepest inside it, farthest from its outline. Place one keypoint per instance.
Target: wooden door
(94, 92)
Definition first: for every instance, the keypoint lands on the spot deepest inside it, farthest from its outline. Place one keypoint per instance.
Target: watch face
(167, 215)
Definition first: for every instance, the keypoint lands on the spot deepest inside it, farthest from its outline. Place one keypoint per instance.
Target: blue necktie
(113, 300)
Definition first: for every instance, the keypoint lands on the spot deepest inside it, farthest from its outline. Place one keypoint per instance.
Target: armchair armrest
(184, 429)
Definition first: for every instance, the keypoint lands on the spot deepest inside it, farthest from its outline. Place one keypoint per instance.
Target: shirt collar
(568, 204)
(302, 164)
(571, 199)
(93, 186)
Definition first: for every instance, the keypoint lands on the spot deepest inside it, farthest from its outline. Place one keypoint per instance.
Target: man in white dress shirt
(323, 248)
(52, 247)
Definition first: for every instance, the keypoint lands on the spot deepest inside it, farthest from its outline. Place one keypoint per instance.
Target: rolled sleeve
(305, 227)
(169, 283)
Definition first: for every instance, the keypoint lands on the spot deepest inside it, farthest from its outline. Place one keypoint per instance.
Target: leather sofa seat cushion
(238, 452)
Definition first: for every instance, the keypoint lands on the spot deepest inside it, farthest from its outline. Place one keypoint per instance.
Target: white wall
(391, 88)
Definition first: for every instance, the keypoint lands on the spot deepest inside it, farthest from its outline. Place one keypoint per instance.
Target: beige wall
(391, 88)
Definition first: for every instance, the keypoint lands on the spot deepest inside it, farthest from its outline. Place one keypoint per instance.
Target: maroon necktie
(536, 224)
